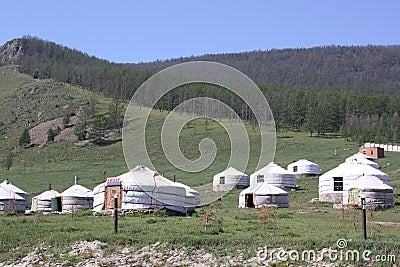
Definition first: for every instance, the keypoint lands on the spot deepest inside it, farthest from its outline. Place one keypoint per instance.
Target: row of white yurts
(138, 189)
(267, 185)
(74, 198)
(15, 199)
(358, 177)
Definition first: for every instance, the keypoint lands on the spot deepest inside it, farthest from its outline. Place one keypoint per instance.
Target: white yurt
(98, 197)
(360, 158)
(192, 196)
(303, 168)
(17, 190)
(42, 202)
(76, 198)
(377, 194)
(333, 183)
(229, 179)
(263, 194)
(11, 201)
(144, 189)
(275, 175)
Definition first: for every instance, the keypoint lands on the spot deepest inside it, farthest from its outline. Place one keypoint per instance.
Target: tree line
(359, 117)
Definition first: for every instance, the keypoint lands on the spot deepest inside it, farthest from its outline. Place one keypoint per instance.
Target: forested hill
(48, 60)
(368, 69)
(317, 89)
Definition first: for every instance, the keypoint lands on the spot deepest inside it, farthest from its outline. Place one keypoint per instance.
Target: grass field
(304, 225)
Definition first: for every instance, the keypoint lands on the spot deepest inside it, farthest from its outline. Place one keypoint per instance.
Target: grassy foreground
(303, 226)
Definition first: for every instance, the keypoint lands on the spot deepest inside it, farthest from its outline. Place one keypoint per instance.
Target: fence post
(115, 214)
(364, 219)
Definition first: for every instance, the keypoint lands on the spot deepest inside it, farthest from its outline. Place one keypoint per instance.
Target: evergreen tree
(8, 161)
(51, 134)
(80, 130)
(99, 126)
(25, 138)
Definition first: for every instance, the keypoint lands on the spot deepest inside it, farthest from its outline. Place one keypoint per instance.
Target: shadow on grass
(285, 136)
(107, 142)
(327, 136)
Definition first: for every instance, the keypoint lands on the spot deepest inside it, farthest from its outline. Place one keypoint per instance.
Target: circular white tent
(42, 202)
(303, 168)
(11, 201)
(76, 198)
(143, 189)
(275, 175)
(17, 191)
(263, 194)
(377, 194)
(333, 183)
(360, 158)
(229, 179)
(192, 199)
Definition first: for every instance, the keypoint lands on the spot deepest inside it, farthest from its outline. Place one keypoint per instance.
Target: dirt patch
(38, 133)
(393, 224)
(66, 134)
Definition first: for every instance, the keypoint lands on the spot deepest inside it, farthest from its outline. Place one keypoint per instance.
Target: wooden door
(112, 191)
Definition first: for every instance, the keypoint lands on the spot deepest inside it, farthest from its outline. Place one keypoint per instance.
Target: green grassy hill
(304, 225)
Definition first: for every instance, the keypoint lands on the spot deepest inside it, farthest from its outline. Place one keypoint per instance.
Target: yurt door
(249, 200)
(113, 188)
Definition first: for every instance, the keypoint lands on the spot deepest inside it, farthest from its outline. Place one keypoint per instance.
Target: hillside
(361, 69)
(334, 83)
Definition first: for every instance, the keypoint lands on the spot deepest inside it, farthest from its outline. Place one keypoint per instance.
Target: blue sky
(141, 31)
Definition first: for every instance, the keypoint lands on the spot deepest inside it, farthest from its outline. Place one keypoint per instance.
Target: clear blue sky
(141, 31)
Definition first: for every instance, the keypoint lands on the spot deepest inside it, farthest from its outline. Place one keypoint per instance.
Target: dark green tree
(8, 161)
(99, 126)
(25, 138)
(80, 130)
(51, 134)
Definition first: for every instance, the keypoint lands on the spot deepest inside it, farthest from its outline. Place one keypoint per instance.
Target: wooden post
(364, 219)
(115, 214)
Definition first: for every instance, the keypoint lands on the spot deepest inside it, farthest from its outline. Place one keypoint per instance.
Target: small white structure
(11, 201)
(42, 202)
(18, 191)
(303, 168)
(76, 198)
(144, 189)
(377, 194)
(263, 194)
(360, 158)
(335, 182)
(229, 179)
(275, 175)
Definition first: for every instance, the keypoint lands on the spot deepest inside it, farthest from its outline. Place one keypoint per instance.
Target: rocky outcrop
(11, 52)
